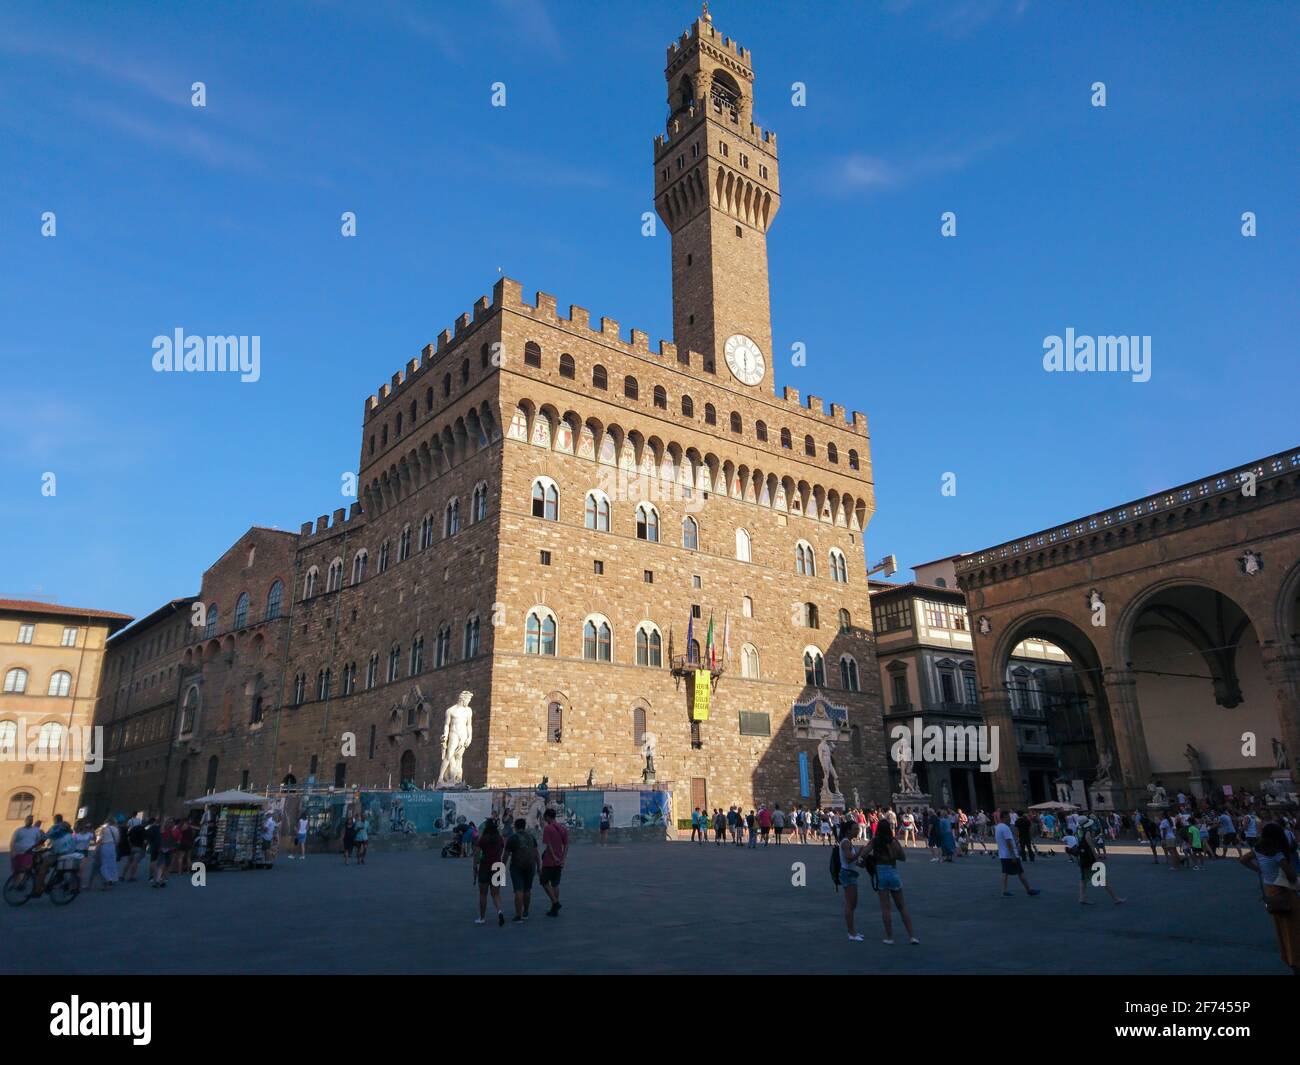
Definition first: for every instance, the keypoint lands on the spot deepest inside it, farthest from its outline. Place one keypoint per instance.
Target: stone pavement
(659, 908)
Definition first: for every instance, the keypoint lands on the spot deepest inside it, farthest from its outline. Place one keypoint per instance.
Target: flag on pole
(711, 652)
(690, 637)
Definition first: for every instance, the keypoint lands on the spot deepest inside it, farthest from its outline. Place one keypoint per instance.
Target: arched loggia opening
(1052, 685)
(1207, 711)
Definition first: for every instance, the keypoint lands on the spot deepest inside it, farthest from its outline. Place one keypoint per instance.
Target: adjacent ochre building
(551, 513)
(50, 660)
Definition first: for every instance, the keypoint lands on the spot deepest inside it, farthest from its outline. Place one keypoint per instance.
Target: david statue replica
(457, 734)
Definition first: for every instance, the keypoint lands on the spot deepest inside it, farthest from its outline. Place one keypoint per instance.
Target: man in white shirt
(1009, 854)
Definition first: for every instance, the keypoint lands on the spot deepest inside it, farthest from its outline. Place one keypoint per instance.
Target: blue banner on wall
(804, 789)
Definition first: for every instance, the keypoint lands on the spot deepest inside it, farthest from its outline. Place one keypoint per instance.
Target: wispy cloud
(869, 174)
(960, 19)
(530, 21)
(184, 138)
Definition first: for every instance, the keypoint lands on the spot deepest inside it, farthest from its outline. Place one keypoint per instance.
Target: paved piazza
(670, 908)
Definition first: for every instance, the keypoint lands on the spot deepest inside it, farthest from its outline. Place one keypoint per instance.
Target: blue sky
(1122, 220)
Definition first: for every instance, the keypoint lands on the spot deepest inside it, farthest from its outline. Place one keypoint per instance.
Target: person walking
(719, 826)
(521, 849)
(300, 838)
(886, 852)
(135, 838)
(778, 823)
(349, 840)
(849, 856)
(764, 822)
(605, 815)
(153, 843)
(555, 844)
(751, 823)
(1009, 856)
(1025, 830)
(1274, 860)
(362, 839)
(487, 866)
(696, 825)
(1083, 848)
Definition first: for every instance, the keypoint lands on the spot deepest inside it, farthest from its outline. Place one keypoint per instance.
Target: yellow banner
(700, 703)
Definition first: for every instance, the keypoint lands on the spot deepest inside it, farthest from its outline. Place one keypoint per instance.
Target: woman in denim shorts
(849, 872)
(887, 852)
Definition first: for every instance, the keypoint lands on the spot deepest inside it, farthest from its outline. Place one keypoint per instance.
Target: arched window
(599, 378)
(760, 431)
(417, 656)
(814, 668)
(710, 414)
(540, 632)
(688, 407)
(846, 620)
(647, 523)
(426, 535)
(649, 645)
(690, 534)
(22, 805)
(809, 448)
(308, 590)
(273, 598)
(372, 670)
(442, 655)
(596, 512)
(566, 366)
(214, 614)
(785, 439)
(638, 727)
(597, 639)
(811, 618)
(743, 546)
(555, 722)
(428, 400)
(299, 689)
(16, 681)
(471, 641)
(397, 425)
(546, 499)
(451, 517)
(805, 561)
(533, 355)
(8, 736)
(749, 662)
(479, 509)
(50, 738)
(333, 579)
(241, 610)
(323, 685)
(359, 561)
(853, 460)
(394, 662)
(484, 355)
(446, 385)
(630, 389)
(60, 683)
(383, 557)
(747, 606)
(660, 398)
(832, 453)
(848, 673)
(190, 712)
(735, 421)
(403, 549)
(839, 567)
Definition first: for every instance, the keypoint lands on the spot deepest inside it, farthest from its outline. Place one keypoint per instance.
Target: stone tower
(716, 188)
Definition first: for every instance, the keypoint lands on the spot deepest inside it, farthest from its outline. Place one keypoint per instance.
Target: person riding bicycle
(22, 846)
(45, 856)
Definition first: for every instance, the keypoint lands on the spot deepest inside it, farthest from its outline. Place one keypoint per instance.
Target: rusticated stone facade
(479, 457)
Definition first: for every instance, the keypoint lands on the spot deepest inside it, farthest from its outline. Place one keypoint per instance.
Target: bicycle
(62, 883)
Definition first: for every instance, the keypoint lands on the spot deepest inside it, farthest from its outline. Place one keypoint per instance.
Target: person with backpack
(719, 827)
(1083, 848)
(884, 854)
(521, 849)
(844, 872)
(751, 823)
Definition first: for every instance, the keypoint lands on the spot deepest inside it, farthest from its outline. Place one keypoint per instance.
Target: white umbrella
(229, 798)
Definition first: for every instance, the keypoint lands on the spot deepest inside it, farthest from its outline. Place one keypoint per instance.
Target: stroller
(458, 847)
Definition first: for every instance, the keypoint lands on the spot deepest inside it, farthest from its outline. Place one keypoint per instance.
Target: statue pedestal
(647, 776)
(1157, 811)
(832, 800)
(915, 799)
(1196, 785)
(1104, 797)
(1278, 790)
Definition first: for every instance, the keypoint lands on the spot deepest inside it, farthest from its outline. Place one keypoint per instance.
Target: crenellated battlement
(757, 134)
(702, 30)
(508, 294)
(330, 525)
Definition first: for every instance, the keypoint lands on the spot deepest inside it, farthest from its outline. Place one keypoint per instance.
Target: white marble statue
(907, 782)
(457, 734)
(1104, 762)
(1159, 797)
(830, 778)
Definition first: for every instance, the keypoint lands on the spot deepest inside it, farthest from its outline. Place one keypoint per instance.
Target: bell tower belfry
(717, 191)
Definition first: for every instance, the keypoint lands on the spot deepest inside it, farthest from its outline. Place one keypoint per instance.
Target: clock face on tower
(744, 359)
